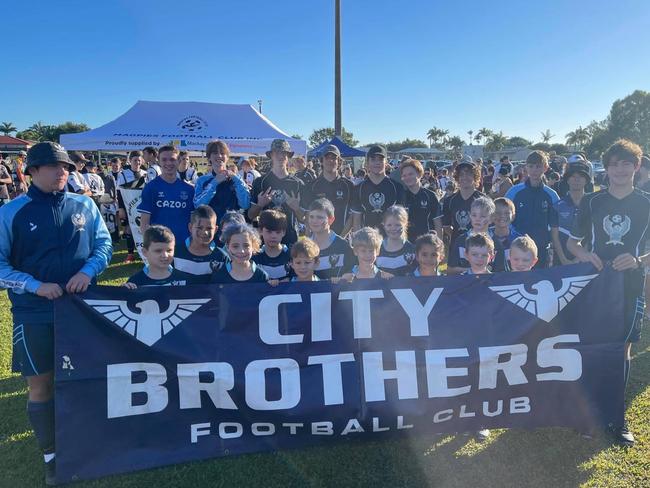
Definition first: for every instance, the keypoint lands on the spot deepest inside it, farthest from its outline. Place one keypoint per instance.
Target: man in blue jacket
(51, 242)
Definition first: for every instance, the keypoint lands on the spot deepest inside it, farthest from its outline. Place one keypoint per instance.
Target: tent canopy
(187, 125)
(346, 151)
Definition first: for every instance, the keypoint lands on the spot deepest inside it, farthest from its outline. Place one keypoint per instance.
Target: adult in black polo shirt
(455, 211)
(331, 185)
(376, 192)
(277, 189)
(616, 221)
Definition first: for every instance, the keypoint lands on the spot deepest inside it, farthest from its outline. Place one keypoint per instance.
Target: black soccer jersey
(222, 275)
(289, 185)
(614, 226)
(336, 259)
(199, 266)
(423, 208)
(278, 267)
(176, 278)
(398, 263)
(372, 200)
(456, 258)
(339, 191)
(456, 210)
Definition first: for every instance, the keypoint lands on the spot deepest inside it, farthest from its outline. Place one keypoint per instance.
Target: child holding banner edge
(617, 223)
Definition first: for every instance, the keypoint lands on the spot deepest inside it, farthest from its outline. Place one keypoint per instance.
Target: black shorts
(634, 308)
(33, 348)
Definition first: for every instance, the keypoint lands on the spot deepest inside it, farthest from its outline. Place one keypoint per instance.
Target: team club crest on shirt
(423, 203)
(278, 197)
(334, 260)
(547, 302)
(616, 227)
(339, 194)
(462, 217)
(409, 257)
(79, 221)
(377, 201)
(183, 195)
(150, 324)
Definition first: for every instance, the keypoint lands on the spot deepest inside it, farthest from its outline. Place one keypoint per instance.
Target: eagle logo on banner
(150, 324)
(547, 302)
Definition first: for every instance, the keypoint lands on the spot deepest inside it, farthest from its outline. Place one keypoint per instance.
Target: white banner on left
(131, 201)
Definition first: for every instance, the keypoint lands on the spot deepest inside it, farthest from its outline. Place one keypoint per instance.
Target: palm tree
(40, 130)
(7, 128)
(434, 135)
(484, 133)
(470, 133)
(455, 143)
(547, 136)
(496, 142)
(579, 137)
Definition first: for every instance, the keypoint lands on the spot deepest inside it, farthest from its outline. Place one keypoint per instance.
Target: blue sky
(516, 66)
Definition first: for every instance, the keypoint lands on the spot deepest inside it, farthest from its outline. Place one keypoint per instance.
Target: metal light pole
(259, 105)
(338, 128)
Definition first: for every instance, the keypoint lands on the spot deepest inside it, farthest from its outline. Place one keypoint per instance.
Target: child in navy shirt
(366, 243)
(479, 252)
(158, 249)
(523, 254)
(274, 256)
(335, 254)
(242, 242)
(429, 252)
(480, 215)
(304, 260)
(397, 254)
(199, 254)
(502, 233)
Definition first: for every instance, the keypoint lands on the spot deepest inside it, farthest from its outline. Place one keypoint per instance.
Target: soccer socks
(41, 416)
(130, 243)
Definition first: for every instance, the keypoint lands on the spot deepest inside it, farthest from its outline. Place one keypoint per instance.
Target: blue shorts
(33, 351)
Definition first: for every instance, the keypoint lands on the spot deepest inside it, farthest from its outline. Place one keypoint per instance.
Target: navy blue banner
(163, 375)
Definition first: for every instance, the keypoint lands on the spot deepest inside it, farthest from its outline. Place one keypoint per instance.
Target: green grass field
(545, 458)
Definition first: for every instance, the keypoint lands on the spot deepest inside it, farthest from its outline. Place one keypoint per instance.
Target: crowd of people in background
(306, 220)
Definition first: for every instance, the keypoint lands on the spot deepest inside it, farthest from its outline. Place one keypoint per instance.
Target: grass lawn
(545, 458)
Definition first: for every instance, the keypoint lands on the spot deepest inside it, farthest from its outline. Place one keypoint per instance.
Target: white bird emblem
(150, 325)
(546, 303)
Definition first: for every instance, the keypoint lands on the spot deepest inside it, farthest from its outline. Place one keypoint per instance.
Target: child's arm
(385, 275)
(130, 286)
(557, 246)
(274, 282)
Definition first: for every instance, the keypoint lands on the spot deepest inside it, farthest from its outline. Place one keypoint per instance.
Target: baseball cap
(22, 153)
(465, 165)
(376, 149)
(46, 153)
(331, 148)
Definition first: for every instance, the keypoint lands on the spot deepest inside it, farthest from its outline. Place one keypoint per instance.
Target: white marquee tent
(188, 125)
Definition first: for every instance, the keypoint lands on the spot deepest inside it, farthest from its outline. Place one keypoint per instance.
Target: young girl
(366, 243)
(335, 257)
(241, 242)
(397, 255)
(429, 252)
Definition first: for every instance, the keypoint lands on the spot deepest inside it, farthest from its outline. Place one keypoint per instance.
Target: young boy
(366, 244)
(479, 252)
(616, 221)
(523, 254)
(274, 256)
(456, 208)
(535, 204)
(158, 248)
(167, 200)
(335, 257)
(304, 260)
(481, 211)
(502, 233)
(199, 254)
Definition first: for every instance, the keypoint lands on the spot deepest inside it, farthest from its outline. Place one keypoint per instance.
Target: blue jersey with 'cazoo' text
(169, 204)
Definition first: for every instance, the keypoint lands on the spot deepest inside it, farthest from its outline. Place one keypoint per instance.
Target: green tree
(435, 136)
(326, 133)
(496, 142)
(484, 134)
(27, 135)
(547, 136)
(40, 130)
(454, 143)
(517, 141)
(296, 136)
(578, 138)
(55, 131)
(541, 146)
(470, 133)
(7, 128)
(629, 118)
(399, 145)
